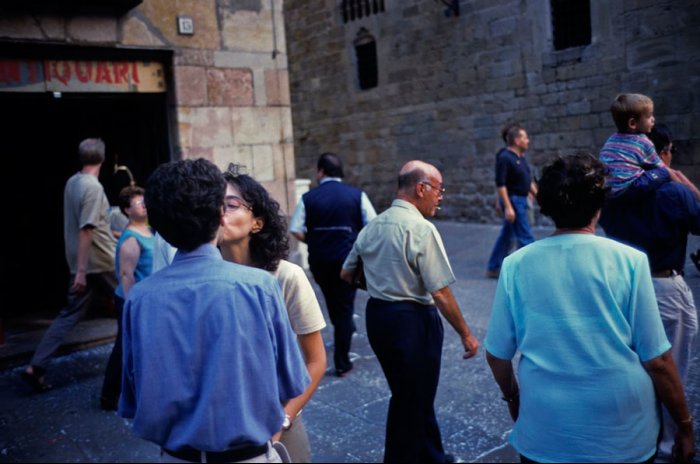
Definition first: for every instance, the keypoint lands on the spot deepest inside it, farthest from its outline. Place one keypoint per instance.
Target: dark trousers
(340, 301)
(407, 339)
(112, 384)
(102, 284)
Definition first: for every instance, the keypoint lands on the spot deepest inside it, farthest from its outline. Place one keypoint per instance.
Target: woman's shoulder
(287, 270)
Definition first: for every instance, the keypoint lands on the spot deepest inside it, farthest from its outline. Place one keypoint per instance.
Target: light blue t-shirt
(581, 311)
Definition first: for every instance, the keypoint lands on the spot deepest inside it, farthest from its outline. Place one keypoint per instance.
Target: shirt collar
(329, 179)
(205, 250)
(406, 205)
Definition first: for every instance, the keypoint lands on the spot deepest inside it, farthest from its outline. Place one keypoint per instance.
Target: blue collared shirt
(657, 223)
(209, 355)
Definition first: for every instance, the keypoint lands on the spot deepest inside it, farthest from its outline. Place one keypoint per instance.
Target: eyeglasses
(233, 203)
(440, 190)
(139, 203)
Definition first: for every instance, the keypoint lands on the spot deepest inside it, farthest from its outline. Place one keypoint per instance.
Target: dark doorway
(40, 137)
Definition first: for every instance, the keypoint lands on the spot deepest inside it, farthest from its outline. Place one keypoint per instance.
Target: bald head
(414, 172)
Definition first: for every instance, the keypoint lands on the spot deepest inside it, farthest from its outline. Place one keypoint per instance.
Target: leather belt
(233, 455)
(665, 274)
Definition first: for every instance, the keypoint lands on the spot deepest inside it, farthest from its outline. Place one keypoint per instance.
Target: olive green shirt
(403, 256)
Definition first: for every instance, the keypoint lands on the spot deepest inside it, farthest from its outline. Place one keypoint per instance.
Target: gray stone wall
(447, 85)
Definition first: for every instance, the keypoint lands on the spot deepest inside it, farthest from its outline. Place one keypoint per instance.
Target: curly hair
(572, 190)
(127, 194)
(185, 200)
(271, 244)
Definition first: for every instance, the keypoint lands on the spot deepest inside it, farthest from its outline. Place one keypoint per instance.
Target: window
(366, 52)
(571, 23)
(358, 9)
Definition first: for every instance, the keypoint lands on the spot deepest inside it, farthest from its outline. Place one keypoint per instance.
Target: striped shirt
(627, 156)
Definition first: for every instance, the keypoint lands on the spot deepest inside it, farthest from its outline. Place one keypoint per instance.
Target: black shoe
(343, 372)
(695, 258)
(35, 379)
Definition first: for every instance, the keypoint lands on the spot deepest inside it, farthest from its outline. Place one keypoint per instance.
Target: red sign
(81, 76)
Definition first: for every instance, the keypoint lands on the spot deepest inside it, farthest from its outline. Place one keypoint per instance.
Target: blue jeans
(518, 230)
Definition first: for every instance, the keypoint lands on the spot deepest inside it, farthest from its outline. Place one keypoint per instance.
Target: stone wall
(447, 85)
(231, 95)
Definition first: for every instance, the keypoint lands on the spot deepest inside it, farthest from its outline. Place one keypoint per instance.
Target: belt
(233, 455)
(665, 273)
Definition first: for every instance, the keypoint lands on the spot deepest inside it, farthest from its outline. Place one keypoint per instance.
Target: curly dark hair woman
(271, 243)
(254, 233)
(572, 190)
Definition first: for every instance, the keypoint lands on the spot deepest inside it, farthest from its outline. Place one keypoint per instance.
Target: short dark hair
(572, 190)
(91, 152)
(661, 137)
(185, 202)
(510, 132)
(126, 195)
(331, 164)
(271, 244)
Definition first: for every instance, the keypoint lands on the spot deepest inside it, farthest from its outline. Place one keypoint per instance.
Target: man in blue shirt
(513, 185)
(328, 218)
(658, 223)
(209, 354)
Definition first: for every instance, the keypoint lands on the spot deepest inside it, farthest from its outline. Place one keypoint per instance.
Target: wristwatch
(287, 423)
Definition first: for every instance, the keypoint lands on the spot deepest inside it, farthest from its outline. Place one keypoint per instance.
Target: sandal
(35, 381)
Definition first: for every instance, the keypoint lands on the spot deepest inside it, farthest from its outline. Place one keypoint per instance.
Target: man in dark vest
(328, 218)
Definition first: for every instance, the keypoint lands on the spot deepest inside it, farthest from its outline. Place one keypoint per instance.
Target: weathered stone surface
(254, 126)
(229, 87)
(205, 127)
(247, 30)
(162, 19)
(277, 87)
(137, 30)
(20, 27)
(191, 85)
(447, 85)
(92, 29)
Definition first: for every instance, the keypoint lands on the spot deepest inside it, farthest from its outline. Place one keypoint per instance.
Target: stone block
(190, 85)
(267, 125)
(277, 87)
(193, 57)
(580, 107)
(53, 27)
(135, 30)
(20, 27)
(198, 152)
(229, 87)
(96, 29)
(208, 127)
(241, 155)
(247, 30)
(263, 163)
(161, 17)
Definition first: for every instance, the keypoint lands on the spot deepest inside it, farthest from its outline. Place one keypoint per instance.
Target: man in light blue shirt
(209, 354)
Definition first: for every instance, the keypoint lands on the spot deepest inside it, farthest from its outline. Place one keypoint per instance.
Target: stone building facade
(446, 83)
(157, 80)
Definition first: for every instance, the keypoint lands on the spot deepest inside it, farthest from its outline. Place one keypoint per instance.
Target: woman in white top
(255, 234)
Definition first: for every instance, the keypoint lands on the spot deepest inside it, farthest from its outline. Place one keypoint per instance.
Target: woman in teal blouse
(134, 262)
(581, 311)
